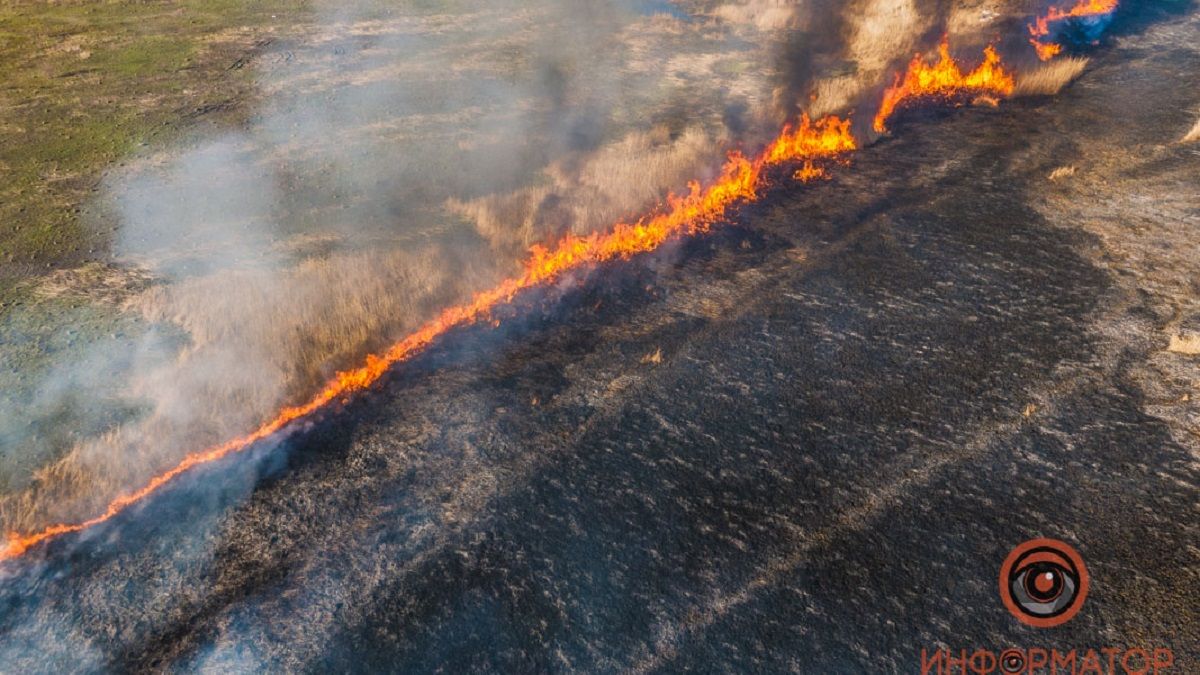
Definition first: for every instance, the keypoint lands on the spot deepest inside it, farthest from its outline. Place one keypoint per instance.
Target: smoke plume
(396, 163)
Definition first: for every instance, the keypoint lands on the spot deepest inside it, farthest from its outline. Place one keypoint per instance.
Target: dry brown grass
(1193, 135)
(1063, 172)
(1051, 77)
(881, 34)
(981, 17)
(257, 339)
(323, 311)
(615, 183)
(760, 14)
(1185, 344)
(94, 282)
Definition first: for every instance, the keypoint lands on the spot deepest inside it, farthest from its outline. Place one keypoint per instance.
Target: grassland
(85, 84)
(355, 125)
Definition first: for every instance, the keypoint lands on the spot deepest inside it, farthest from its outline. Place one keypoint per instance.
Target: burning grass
(695, 212)
(347, 116)
(614, 183)
(325, 314)
(1050, 78)
(1043, 28)
(880, 33)
(945, 79)
(294, 338)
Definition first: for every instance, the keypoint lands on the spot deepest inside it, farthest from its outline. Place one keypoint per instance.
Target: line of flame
(945, 79)
(690, 214)
(1040, 28)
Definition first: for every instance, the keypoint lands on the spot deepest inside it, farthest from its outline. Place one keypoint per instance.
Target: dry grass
(94, 282)
(257, 339)
(615, 183)
(761, 14)
(1062, 172)
(654, 357)
(1193, 135)
(882, 33)
(982, 17)
(1185, 344)
(1050, 78)
(322, 312)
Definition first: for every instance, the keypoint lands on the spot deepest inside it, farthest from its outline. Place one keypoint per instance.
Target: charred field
(801, 442)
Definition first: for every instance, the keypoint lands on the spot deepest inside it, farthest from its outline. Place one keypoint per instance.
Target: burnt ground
(805, 443)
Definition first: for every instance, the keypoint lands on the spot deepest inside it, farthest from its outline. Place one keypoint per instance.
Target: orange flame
(809, 172)
(1040, 28)
(1045, 50)
(945, 79)
(690, 214)
(828, 137)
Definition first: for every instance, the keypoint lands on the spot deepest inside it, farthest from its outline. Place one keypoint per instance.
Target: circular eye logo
(1012, 661)
(1043, 582)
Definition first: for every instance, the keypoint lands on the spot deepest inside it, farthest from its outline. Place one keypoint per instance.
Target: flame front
(809, 143)
(1040, 28)
(693, 213)
(945, 79)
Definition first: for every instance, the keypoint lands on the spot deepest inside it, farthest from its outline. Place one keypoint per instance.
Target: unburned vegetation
(1050, 78)
(87, 83)
(1194, 134)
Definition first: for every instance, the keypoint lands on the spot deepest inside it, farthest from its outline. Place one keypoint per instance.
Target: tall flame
(1040, 28)
(690, 214)
(945, 79)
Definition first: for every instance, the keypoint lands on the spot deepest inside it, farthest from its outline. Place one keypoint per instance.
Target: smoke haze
(397, 162)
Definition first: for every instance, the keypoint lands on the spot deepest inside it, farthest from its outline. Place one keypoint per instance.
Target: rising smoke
(397, 163)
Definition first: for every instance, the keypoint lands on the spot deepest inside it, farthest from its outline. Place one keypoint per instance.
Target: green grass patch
(84, 84)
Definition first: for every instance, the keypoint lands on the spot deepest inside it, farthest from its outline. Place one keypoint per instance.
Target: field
(267, 191)
(800, 437)
(88, 86)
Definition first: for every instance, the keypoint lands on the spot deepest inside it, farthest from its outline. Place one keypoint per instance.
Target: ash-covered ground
(803, 443)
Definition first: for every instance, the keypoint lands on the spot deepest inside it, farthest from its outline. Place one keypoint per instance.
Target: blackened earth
(806, 442)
